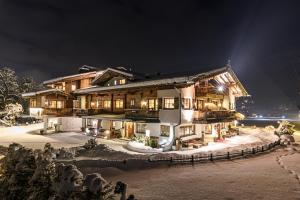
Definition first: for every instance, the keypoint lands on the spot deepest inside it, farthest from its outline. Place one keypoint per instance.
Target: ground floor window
(165, 130)
(60, 104)
(76, 104)
(132, 102)
(94, 104)
(141, 128)
(152, 104)
(187, 130)
(200, 104)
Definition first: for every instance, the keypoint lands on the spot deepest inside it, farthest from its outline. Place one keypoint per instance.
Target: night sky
(49, 38)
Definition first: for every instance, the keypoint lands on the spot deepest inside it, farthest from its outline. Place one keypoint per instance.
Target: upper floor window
(73, 87)
(169, 103)
(106, 104)
(119, 103)
(200, 104)
(186, 103)
(152, 104)
(122, 81)
(94, 104)
(132, 102)
(33, 103)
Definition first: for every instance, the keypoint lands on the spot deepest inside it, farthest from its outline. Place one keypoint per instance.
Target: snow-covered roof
(119, 70)
(71, 76)
(167, 81)
(52, 90)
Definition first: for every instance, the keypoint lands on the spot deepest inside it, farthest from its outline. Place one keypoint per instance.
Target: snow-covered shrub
(140, 139)
(270, 128)
(90, 144)
(285, 127)
(65, 153)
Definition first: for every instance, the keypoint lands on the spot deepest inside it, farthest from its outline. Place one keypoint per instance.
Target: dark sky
(48, 38)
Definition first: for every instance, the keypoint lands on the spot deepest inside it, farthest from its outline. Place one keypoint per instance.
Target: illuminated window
(32, 103)
(187, 130)
(122, 81)
(152, 104)
(73, 87)
(115, 82)
(169, 103)
(119, 103)
(94, 104)
(76, 104)
(186, 103)
(200, 104)
(59, 104)
(141, 128)
(52, 104)
(164, 130)
(132, 102)
(106, 104)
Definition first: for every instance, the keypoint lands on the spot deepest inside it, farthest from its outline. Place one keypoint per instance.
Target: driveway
(30, 137)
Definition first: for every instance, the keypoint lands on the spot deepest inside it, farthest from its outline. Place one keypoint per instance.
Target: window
(94, 104)
(52, 104)
(132, 102)
(106, 104)
(186, 103)
(200, 104)
(141, 128)
(73, 87)
(59, 104)
(119, 103)
(115, 82)
(122, 81)
(187, 130)
(164, 130)
(32, 103)
(76, 104)
(152, 104)
(169, 103)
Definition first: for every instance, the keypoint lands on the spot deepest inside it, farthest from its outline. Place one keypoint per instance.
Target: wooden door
(129, 129)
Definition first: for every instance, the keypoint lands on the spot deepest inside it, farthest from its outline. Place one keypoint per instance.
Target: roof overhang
(48, 91)
(72, 77)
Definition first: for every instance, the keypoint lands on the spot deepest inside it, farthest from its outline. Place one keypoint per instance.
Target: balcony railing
(217, 115)
(57, 111)
(141, 114)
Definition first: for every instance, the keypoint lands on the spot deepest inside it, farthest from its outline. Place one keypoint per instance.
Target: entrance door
(129, 129)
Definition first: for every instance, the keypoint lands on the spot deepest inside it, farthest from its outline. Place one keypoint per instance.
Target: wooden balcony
(58, 111)
(142, 114)
(214, 116)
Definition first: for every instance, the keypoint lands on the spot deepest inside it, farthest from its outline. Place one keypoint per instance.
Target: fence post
(192, 158)
(228, 156)
(211, 157)
(262, 148)
(253, 150)
(242, 152)
(171, 159)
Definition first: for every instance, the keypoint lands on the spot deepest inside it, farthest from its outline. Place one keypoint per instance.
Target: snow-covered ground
(30, 137)
(256, 178)
(248, 136)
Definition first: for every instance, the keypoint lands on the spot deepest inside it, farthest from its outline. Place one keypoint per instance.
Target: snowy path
(29, 136)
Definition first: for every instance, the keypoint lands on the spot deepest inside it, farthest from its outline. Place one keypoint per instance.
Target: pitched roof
(52, 90)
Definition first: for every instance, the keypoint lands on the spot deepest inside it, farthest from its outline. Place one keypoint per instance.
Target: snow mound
(140, 147)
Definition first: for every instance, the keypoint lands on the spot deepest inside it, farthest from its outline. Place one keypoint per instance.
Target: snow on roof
(30, 94)
(71, 76)
(184, 79)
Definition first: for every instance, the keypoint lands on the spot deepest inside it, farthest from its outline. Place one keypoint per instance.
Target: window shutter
(159, 103)
(176, 103)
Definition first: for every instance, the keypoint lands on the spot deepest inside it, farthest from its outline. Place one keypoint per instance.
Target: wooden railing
(214, 115)
(57, 111)
(141, 114)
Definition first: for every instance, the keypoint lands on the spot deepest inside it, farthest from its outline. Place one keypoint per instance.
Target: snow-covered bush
(12, 111)
(285, 127)
(90, 144)
(32, 175)
(65, 153)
